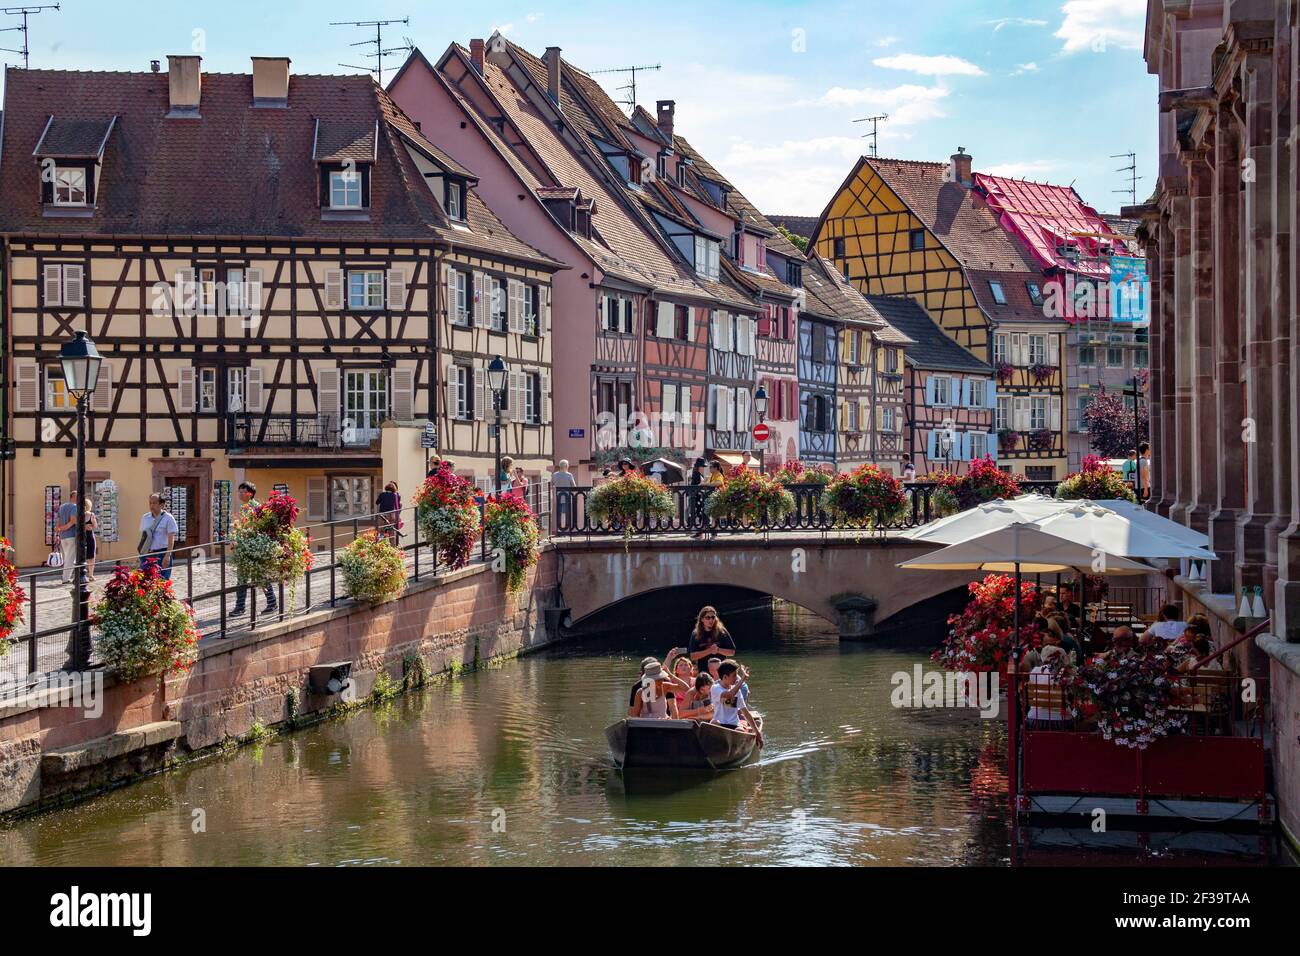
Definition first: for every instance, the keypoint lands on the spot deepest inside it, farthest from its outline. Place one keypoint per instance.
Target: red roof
(1059, 229)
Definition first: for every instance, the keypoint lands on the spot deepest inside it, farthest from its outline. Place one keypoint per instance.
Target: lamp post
(760, 403)
(945, 448)
(81, 362)
(1136, 392)
(496, 376)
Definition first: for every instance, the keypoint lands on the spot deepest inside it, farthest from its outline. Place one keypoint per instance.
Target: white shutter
(396, 283)
(546, 398)
(316, 499)
(544, 320)
(53, 285)
(334, 289)
(514, 305)
(74, 284)
(1054, 421)
(27, 397)
(451, 383)
(251, 301)
(1020, 419)
(690, 323)
(516, 399)
(185, 398)
(254, 396)
(481, 394)
(101, 400)
(481, 303)
(715, 329)
(403, 393)
(448, 292)
(1053, 350)
(664, 320)
(327, 405)
(186, 292)
(742, 410)
(731, 409)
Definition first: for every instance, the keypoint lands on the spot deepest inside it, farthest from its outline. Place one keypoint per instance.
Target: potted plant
(622, 501)
(1132, 696)
(143, 628)
(866, 496)
(1041, 372)
(748, 498)
(268, 549)
(1008, 438)
(512, 535)
(1041, 440)
(982, 636)
(796, 472)
(983, 481)
(12, 595)
(373, 568)
(448, 516)
(1096, 480)
(1005, 371)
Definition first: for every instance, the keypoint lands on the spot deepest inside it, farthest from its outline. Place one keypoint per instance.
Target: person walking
(90, 529)
(698, 480)
(65, 525)
(909, 469)
(158, 530)
(389, 506)
(248, 503)
(563, 482)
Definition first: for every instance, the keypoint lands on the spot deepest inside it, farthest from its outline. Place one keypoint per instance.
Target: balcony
(249, 432)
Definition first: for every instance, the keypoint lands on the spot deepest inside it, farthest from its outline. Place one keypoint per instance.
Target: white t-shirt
(158, 529)
(722, 714)
(1168, 630)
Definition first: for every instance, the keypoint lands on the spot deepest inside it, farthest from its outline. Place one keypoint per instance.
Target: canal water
(508, 765)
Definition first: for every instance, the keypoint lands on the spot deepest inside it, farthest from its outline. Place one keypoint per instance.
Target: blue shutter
(929, 391)
(932, 446)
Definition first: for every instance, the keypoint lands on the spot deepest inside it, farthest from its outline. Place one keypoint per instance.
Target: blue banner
(1129, 295)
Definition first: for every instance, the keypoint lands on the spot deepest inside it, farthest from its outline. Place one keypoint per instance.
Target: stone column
(1154, 254)
(1163, 448)
(1177, 350)
(1229, 391)
(1200, 407)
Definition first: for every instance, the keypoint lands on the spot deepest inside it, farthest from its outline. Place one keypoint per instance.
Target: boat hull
(642, 742)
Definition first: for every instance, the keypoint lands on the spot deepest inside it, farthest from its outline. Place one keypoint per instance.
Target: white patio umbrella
(1022, 547)
(986, 517)
(1098, 526)
(1154, 522)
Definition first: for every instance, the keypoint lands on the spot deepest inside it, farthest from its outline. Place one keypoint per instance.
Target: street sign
(762, 432)
(430, 437)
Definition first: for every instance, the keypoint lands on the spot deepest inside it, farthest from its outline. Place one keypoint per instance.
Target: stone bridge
(849, 580)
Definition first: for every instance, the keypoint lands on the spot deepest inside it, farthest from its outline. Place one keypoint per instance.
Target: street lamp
(496, 379)
(1136, 392)
(945, 448)
(760, 403)
(81, 362)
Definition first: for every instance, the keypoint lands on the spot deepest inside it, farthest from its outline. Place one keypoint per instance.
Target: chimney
(185, 79)
(553, 74)
(271, 81)
(477, 53)
(665, 110)
(961, 167)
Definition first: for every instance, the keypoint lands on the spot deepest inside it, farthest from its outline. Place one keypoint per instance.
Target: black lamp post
(760, 403)
(945, 448)
(496, 376)
(1136, 392)
(81, 362)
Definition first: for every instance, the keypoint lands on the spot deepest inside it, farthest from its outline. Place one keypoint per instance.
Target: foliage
(1097, 481)
(621, 501)
(385, 687)
(12, 595)
(144, 629)
(1041, 439)
(983, 481)
(796, 240)
(1113, 429)
(1041, 373)
(1131, 696)
(1008, 438)
(1005, 370)
(373, 568)
(983, 634)
(448, 515)
(268, 549)
(796, 472)
(865, 496)
(748, 497)
(511, 530)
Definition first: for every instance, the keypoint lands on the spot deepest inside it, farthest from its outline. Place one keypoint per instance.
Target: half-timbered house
(950, 393)
(285, 277)
(818, 364)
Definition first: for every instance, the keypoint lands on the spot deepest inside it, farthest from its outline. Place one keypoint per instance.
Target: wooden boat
(637, 742)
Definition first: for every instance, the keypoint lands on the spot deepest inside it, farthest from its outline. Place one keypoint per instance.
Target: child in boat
(730, 698)
(698, 703)
(657, 698)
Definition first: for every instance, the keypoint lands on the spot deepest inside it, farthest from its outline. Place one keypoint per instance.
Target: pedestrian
(625, 467)
(90, 531)
(503, 477)
(563, 482)
(698, 480)
(1130, 470)
(1144, 471)
(389, 506)
(519, 484)
(158, 530)
(249, 503)
(909, 469)
(65, 524)
(749, 462)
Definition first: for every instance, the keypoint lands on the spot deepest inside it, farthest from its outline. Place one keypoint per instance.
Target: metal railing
(246, 430)
(47, 642)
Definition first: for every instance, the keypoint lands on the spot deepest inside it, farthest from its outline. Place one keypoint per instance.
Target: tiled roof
(931, 348)
(799, 225)
(74, 138)
(338, 141)
(827, 295)
(237, 170)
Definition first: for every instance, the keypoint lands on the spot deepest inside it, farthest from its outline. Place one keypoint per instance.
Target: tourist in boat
(698, 703)
(730, 699)
(1170, 625)
(636, 687)
(656, 697)
(680, 666)
(710, 638)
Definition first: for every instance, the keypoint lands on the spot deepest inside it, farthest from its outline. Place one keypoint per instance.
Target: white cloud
(886, 41)
(533, 17)
(1015, 21)
(929, 65)
(762, 171)
(1025, 170)
(1030, 67)
(1096, 24)
(906, 105)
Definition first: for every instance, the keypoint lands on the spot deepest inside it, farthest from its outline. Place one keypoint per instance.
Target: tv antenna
(380, 50)
(875, 122)
(23, 12)
(1133, 177)
(630, 86)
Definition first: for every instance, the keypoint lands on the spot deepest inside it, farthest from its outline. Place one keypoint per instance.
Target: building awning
(733, 459)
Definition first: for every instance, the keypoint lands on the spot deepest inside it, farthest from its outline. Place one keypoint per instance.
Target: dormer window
(661, 166)
(69, 186)
(455, 201)
(681, 172)
(68, 157)
(345, 189)
(345, 153)
(706, 257)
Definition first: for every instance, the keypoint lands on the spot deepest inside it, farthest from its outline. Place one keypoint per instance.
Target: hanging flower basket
(1005, 372)
(630, 500)
(268, 549)
(143, 628)
(796, 472)
(982, 636)
(865, 497)
(1132, 697)
(512, 535)
(1041, 373)
(1097, 480)
(749, 499)
(1008, 438)
(373, 568)
(448, 516)
(983, 481)
(12, 595)
(1041, 440)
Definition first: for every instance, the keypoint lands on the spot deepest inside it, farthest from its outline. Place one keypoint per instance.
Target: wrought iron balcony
(247, 431)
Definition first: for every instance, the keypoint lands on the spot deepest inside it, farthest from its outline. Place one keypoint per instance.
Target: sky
(768, 91)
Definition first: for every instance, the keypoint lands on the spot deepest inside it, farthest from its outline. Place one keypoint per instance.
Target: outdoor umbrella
(673, 473)
(986, 517)
(1023, 547)
(1098, 526)
(1149, 519)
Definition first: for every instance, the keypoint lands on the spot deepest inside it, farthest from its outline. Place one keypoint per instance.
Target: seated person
(730, 698)
(1030, 659)
(1059, 624)
(681, 669)
(1047, 707)
(1170, 624)
(712, 666)
(637, 688)
(698, 704)
(1068, 607)
(1121, 642)
(656, 698)
(1201, 648)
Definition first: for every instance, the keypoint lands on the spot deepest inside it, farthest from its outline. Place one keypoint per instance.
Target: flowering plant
(796, 472)
(268, 549)
(1131, 695)
(144, 629)
(1097, 480)
(1005, 370)
(983, 634)
(448, 515)
(1008, 438)
(1041, 439)
(1041, 372)
(867, 495)
(983, 481)
(511, 530)
(748, 497)
(11, 594)
(621, 501)
(373, 568)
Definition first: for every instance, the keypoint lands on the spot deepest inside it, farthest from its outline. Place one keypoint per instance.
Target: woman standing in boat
(709, 639)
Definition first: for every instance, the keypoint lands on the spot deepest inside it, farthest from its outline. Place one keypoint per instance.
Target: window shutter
(1021, 418)
(1053, 350)
(711, 413)
(316, 499)
(1054, 422)
(664, 320)
(101, 400)
(185, 397)
(448, 292)
(516, 399)
(251, 293)
(751, 326)
(963, 445)
(481, 395)
(742, 410)
(74, 285)
(327, 405)
(715, 329)
(481, 303)
(396, 290)
(544, 320)
(53, 285)
(514, 305)
(334, 289)
(669, 402)
(403, 393)
(690, 323)
(28, 379)
(254, 396)
(546, 398)
(932, 445)
(930, 391)
(991, 444)
(966, 390)
(451, 380)
(991, 396)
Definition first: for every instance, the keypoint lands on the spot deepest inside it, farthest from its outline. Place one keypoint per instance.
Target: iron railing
(245, 430)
